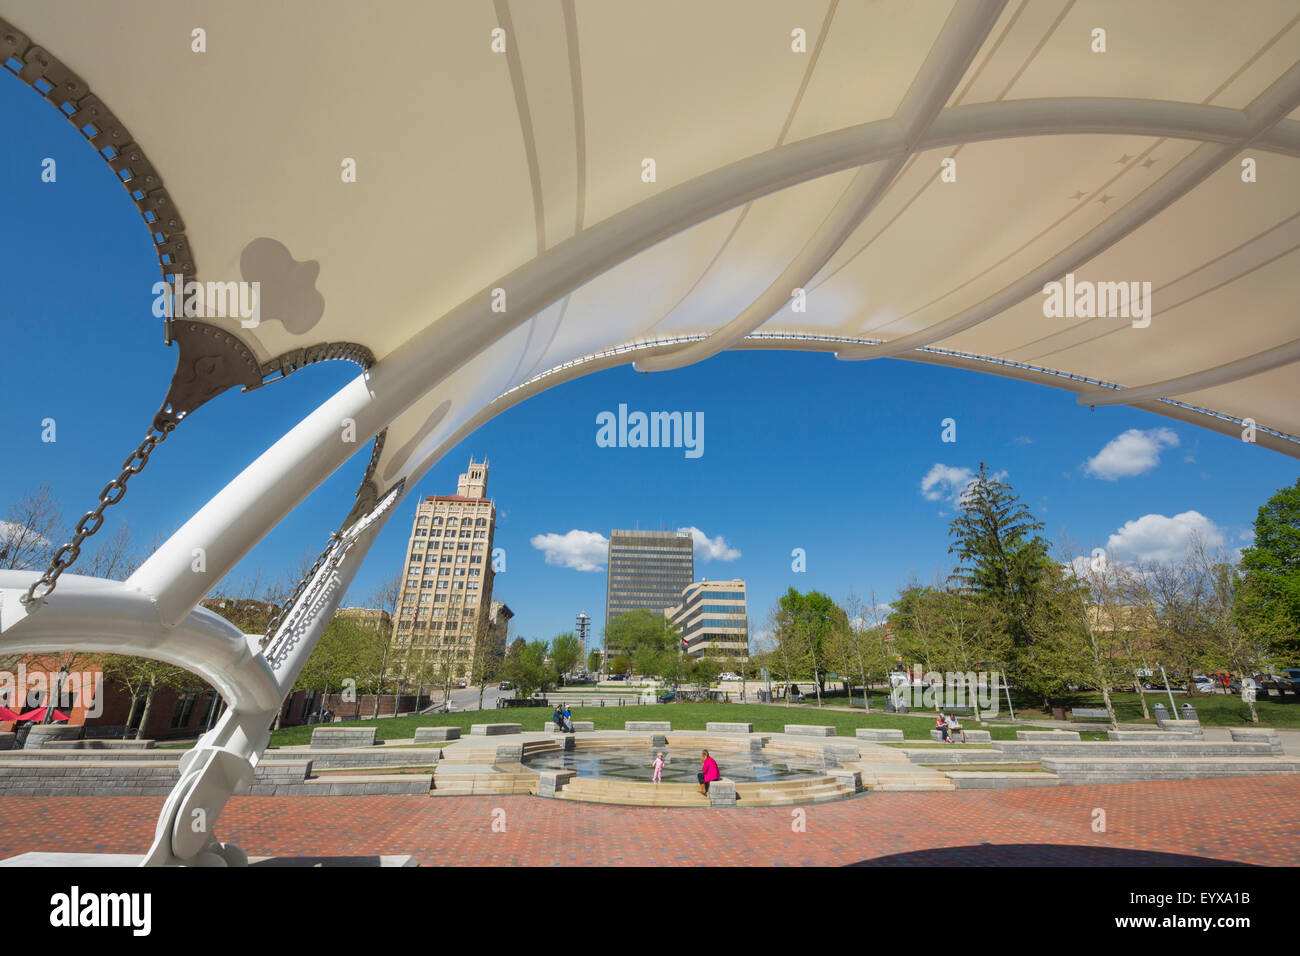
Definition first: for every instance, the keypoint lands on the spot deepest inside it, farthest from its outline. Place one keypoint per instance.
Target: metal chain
(113, 492)
(278, 618)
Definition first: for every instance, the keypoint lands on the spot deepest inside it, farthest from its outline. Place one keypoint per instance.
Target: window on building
(184, 708)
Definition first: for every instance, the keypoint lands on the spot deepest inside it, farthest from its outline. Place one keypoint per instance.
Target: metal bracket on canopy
(209, 361)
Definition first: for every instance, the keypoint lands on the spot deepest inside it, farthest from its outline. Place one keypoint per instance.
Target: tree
(29, 531)
(1271, 590)
(143, 677)
(525, 667)
(640, 632)
(1000, 552)
(593, 662)
(621, 664)
(564, 655)
(805, 623)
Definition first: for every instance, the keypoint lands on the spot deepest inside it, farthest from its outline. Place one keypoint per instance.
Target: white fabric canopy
(471, 163)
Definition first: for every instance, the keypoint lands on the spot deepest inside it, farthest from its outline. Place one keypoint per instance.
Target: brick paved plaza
(1195, 822)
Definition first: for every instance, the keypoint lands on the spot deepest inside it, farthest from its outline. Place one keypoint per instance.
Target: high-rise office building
(443, 611)
(647, 569)
(712, 620)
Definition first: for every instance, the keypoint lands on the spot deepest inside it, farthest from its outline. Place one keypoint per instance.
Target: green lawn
(1213, 710)
(683, 716)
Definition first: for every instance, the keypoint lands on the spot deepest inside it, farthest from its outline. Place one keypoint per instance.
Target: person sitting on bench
(941, 724)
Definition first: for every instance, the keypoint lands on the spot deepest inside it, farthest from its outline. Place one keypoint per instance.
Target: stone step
(1121, 749)
(1002, 781)
(1121, 770)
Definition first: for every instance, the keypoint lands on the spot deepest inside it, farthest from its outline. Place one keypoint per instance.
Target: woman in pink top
(708, 773)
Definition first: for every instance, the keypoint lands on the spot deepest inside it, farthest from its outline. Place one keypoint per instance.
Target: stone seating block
(972, 736)
(550, 782)
(722, 793)
(494, 730)
(426, 735)
(647, 726)
(1257, 735)
(1045, 735)
(851, 777)
(810, 730)
(42, 734)
(715, 727)
(879, 735)
(583, 726)
(1169, 724)
(7, 741)
(343, 737)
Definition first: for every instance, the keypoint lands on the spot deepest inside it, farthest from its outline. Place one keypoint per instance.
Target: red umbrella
(38, 714)
(7, 714)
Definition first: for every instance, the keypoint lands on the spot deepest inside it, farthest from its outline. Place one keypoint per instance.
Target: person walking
(658, 767)
(708, 773)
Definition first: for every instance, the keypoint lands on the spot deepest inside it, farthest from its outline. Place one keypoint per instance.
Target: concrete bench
(647, 726)
(425, 735)
(1257, 735)
(722, 793)
(578, 725)
(1170, 724)
(714, 727)
(972, 736)
(1090, 713)
(551, 782)
(494, 730)
(7, 740)
(343, 737)
(99, 744)
(879, 735)
(42, 734)
(1139, 736)
(810, 730)
(1047, 735)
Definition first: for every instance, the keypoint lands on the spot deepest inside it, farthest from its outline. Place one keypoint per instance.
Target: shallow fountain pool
(680, 766)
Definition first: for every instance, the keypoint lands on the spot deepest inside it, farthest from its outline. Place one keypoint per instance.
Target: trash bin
(1188, 712)
(1160, 712)
(1058, 713)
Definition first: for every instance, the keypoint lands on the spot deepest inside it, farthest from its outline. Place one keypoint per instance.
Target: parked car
(1293, 675)
(505, 685)
(729, 676)
(460, 684)
(667, 698)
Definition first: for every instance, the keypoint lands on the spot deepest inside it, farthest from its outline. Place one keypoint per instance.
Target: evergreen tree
(1002, 556)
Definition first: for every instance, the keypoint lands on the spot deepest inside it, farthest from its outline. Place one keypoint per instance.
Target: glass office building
(712, 619)
(647, 569)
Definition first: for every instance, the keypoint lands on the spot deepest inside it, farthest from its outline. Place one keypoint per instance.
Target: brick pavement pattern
(1191, 822)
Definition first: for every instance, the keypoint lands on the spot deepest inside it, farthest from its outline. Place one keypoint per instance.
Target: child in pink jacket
(659, 767)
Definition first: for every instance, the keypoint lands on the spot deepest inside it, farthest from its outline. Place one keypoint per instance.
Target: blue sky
(801, 451)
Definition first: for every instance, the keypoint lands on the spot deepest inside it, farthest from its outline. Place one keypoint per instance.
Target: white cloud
(580, 550)
(1159, 538)
(1130, 453)
(1023, 440)
(949, 483)
(711, 549)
